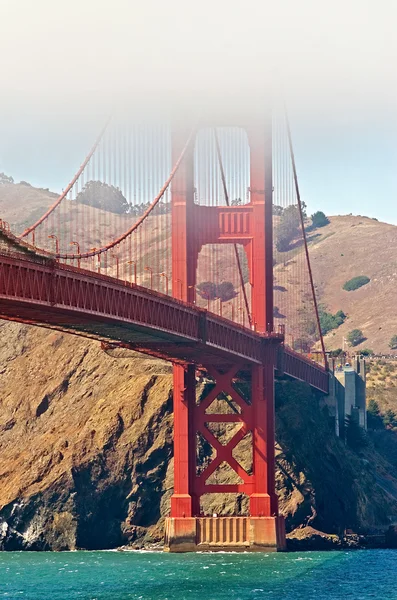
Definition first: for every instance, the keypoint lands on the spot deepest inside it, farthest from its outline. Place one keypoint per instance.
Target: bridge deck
(43, 292)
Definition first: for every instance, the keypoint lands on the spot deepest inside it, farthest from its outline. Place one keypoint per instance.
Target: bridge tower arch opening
(203, 213)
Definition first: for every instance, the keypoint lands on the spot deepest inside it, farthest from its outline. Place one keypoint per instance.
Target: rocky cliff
(86, 450)
(85, 441)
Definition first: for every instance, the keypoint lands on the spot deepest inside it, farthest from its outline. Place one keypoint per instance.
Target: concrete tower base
(245, 534)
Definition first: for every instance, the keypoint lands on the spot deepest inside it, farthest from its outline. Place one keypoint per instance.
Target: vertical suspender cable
(218, 149)
(291, 149)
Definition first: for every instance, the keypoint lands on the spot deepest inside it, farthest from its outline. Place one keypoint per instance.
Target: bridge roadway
(37, 290)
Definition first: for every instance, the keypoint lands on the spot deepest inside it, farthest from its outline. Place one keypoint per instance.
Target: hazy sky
(66, 65)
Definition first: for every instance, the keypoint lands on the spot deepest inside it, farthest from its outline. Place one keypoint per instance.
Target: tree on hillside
(319, 219)
(335, 353)
(288, 228)
(355, 337)
(367, 352)
(4, 179)
(328, 321)
(104, 196)
(356, 282)
(207, 290)
(354, 434)
(225, 291)
(393, 342)
(277, 210)
(390, 419)
(302, 344)
(374, 417)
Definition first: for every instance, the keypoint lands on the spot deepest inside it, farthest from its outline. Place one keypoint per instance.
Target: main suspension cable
(71, 184)
(135, 226)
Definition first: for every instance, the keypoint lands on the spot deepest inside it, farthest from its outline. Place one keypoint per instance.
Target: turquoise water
(356, 575)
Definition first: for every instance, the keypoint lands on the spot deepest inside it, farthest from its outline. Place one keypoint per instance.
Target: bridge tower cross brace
(250, 225)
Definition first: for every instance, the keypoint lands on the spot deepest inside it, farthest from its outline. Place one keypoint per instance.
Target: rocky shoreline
(308, 538)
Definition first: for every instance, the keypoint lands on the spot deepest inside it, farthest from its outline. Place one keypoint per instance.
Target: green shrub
(328, 321)
(207, 290)
(390, 419)
(5, 179)
(277, 210)
(367, 352)
(354, 434)
(288, 228)
(393, 342)
(356, 282)
(355, 337)
(225, 291)
(319, 219)
(374, 417)
(373, 408)
(104, 196)
(335, 353)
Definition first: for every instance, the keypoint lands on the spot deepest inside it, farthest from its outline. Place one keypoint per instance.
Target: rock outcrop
(86, 450)
(85, 441)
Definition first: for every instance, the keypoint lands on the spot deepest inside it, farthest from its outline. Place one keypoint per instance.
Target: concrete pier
(233, 534)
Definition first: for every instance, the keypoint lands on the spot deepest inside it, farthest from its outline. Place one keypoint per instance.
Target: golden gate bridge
(187, 244)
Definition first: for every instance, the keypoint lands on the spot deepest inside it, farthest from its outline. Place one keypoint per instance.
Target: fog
(65, 66)
(327, 59)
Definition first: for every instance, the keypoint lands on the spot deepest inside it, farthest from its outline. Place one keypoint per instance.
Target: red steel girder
(54, 295)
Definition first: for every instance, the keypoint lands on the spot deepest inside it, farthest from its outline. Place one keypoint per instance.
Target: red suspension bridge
(188, 245)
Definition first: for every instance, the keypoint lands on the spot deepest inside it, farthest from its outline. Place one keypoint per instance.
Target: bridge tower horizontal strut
(195, 415)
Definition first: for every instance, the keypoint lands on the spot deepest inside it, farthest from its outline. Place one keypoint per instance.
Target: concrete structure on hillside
(347, 395)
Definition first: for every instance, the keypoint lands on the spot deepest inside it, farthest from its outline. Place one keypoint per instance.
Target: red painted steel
(184, 456)
(40, 291)
(37, 289)
(223, 384)
(184, 245)
(250, 225)
(194, 226)
(256, 416)
(261, 257)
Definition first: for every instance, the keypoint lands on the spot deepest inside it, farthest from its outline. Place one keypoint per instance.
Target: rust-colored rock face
(86, 450)
(85, 441)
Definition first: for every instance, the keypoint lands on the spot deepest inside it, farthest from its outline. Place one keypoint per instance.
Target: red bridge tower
(250, 225)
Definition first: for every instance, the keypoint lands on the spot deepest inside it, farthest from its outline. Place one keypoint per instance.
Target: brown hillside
(21, 205)
(351, 246)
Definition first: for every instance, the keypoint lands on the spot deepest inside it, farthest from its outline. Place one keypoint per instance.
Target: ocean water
(355, 575)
